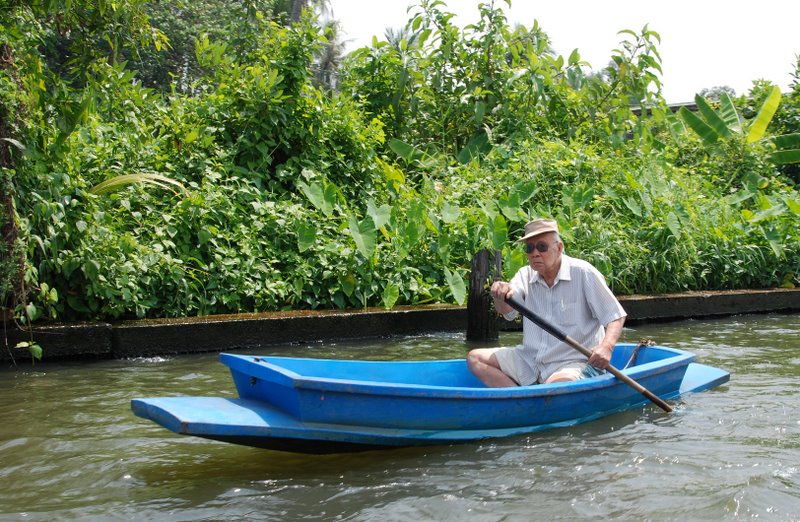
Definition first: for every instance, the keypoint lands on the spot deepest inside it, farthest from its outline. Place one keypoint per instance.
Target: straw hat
(539, 226)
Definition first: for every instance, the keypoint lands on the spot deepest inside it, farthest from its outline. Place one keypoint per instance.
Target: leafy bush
(265, 193)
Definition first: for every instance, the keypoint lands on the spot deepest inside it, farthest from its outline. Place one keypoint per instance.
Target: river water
(70, 448)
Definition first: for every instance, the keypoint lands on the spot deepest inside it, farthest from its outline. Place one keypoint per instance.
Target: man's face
(543, 251)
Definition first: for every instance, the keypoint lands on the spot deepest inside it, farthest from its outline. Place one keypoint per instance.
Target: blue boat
(324, 405)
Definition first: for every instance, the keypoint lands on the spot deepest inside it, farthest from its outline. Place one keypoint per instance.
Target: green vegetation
(134, 187)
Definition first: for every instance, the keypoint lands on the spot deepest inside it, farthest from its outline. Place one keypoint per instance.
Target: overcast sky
(704, 43)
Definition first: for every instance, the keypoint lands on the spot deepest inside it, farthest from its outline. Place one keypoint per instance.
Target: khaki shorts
(576, 369)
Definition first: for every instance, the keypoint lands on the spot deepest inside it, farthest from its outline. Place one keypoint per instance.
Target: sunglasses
(541, 246)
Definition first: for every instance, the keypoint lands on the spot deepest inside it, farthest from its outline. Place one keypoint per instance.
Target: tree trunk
(12, 260)
(297, 10)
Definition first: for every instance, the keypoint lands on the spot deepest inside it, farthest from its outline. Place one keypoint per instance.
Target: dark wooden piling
(481, 317)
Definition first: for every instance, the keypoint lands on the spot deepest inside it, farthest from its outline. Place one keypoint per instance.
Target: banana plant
(725, 122)
(787, 149)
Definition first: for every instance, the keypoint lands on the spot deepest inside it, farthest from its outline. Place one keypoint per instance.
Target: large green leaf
(499, 232)
(509, 205)
(71, 114)
(793, 205)
(306, 236)
(348, 284)
(765, 114)
(525, 190)
(477, 145)
(783, 157)
(457, 286)
(411, 226)
(444, 246)
(775, 241)
(391, 292)
(704, 130)
(712, 118)
(787, 141)
(513, 260)
(674, 224)
(363, 233)
(404, 150)
(788, 146)
(577, 197)
(380, 215)
(674, 124)
(450, 212)
(400, 90)
(480, 112)
(33, 348)
(728, 112)
(323, 197)
(632, 205)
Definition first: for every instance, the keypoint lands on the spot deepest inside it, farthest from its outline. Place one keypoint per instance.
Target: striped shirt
(579, 303)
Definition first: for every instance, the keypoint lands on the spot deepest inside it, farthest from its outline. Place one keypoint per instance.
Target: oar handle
(561, 336)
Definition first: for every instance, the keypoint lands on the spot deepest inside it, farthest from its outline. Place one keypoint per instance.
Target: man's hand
(601, 356)
(500, 291)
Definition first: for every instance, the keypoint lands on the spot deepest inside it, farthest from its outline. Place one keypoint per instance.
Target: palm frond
(118, 182)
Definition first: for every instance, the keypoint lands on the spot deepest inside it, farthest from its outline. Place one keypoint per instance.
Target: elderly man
(568, 293)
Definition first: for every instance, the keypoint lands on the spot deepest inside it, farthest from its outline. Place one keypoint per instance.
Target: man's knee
(474, 358)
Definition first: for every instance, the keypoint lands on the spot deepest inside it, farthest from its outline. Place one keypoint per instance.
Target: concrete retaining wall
(252, 331)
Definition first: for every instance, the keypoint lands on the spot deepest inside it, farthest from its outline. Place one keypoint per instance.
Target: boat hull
(260, 424)
(442, 395)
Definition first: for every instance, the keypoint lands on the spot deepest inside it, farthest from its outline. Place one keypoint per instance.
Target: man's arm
(601, 354)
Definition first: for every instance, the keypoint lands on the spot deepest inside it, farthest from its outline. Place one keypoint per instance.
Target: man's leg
(573, 372)
(567, 375)
(484, 364)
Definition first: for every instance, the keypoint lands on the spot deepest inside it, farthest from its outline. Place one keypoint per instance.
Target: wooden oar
(549, 328)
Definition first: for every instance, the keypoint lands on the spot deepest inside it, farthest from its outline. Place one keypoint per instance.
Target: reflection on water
(72, 450)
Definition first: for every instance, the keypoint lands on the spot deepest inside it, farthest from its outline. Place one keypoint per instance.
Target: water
(70, 448)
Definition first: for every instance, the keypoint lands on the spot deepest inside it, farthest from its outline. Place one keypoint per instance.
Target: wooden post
(481, 317)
